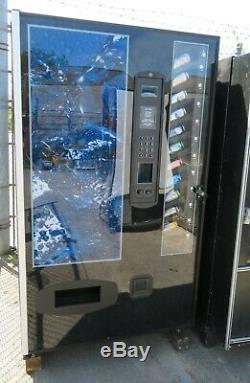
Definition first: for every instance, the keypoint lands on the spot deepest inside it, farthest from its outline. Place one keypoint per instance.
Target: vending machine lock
(199, 192)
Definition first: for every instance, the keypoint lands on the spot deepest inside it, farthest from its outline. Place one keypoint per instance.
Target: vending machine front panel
(112, 168)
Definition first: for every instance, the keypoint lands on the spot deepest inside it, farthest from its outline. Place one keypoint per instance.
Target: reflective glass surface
(74, 77)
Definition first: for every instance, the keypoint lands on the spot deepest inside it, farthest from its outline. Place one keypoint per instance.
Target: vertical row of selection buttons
(180, 95)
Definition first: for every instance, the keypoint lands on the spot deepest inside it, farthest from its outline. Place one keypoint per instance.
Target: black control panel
(145, 156)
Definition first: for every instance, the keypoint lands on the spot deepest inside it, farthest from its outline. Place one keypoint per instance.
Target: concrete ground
(83, 364)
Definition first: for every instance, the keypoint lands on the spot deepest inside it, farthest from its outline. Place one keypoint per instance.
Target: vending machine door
(223, 314)
(112, 150)
(238, 328)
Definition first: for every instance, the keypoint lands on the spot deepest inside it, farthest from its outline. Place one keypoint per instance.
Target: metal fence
(11, 141)
(4, 174)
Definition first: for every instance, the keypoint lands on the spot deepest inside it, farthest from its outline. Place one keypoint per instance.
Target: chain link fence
(4, 184)
(8, 237)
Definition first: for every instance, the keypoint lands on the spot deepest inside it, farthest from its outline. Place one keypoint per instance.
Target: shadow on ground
(83, 363)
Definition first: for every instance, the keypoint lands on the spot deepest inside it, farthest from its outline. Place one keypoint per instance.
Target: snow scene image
(76, 216)
(51, 239)
(39, 187)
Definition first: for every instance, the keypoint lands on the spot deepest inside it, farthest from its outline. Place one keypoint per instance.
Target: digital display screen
(149, 91)
(148, 117)
(145, 173)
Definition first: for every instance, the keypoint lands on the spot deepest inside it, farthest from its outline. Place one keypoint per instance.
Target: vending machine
(223, 309)
(112, 137)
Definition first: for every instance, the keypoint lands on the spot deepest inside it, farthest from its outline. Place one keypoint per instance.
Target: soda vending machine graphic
(113, 132)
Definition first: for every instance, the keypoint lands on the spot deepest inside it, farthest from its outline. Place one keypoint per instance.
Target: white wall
(230, 20)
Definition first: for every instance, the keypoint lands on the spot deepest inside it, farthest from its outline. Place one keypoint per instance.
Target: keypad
(146, 147)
